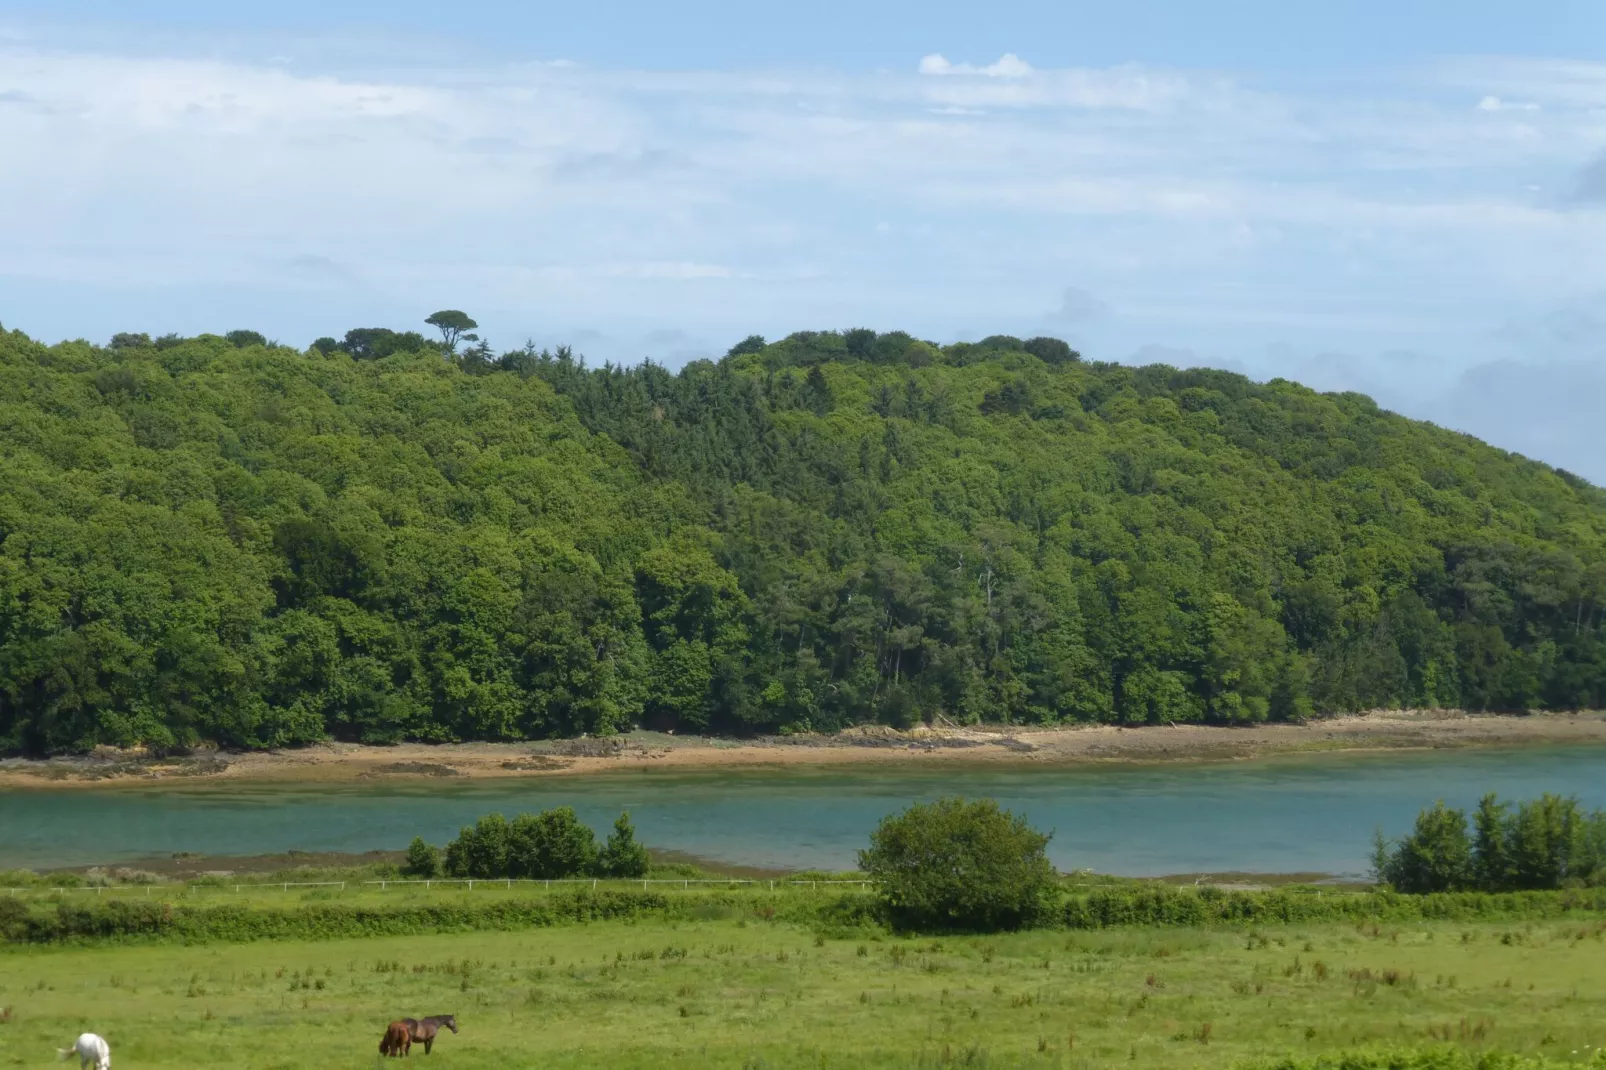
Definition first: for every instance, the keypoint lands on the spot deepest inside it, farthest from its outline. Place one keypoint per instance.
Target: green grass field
(751, 993)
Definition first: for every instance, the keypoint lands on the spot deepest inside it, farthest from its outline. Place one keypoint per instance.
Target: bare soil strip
(348, 762)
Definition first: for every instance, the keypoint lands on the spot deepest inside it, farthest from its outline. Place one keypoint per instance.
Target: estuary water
(1311, 814)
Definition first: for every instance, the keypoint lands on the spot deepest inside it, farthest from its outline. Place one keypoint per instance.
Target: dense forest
(381, 538)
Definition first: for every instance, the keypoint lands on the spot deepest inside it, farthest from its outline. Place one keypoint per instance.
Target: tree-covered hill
(221, 539)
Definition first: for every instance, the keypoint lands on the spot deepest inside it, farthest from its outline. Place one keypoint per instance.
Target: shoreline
(350, 763)
(180, 868)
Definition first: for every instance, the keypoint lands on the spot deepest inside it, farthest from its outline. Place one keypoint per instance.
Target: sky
(1406, 199)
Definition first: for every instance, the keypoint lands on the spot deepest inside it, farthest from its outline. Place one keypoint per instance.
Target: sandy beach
(348, 762)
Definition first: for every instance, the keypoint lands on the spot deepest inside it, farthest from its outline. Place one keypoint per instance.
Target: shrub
(480, 850)
(622, 855)
(155, 921)
(1549, 841)
(1154, 906)
(549, 845)
(1544, 843)
(1435, 857)
(423, 859)
(958, 864)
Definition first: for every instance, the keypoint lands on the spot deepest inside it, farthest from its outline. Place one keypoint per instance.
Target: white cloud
(1214, 213)
(1008, 65)
(1493, 103)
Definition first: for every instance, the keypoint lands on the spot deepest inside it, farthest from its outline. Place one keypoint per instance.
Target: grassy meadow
(741, 991)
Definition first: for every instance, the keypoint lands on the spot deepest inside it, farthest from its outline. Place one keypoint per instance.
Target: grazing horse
(424, 1029)
(89, 1048)
(397, 1041)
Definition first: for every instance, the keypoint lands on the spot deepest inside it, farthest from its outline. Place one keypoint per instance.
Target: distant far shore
(348, 763)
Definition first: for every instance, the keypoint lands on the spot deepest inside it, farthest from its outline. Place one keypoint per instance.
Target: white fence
(429, 884)
(595, 882)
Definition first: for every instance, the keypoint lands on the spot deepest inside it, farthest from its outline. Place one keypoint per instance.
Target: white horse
(89, 1048)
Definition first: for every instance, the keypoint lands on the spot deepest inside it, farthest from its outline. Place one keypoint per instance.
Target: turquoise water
(1305, 814)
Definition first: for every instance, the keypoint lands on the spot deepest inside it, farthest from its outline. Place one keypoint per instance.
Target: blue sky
(1406, 199)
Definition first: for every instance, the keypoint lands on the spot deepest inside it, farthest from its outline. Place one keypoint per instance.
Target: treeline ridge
(222, 539)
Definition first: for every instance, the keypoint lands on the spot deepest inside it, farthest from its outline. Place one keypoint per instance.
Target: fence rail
(147, 889)
(430, 883)
(468, 883)
(684, 882)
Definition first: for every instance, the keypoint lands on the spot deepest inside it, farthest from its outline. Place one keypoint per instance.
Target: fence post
(510, 884)
(426, 885)
(594, 884)
(471, 885)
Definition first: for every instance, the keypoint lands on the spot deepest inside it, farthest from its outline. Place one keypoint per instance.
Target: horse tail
(63, 1054)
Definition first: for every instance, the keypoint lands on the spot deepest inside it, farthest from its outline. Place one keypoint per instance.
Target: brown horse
(424, 1029)
(397, 1041)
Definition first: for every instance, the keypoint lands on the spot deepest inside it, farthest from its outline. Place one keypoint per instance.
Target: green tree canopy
(1549, 842)
(423, 859)
(550, 845)
(242, 339)
(453, 325)
(251, 546)
(623, 855)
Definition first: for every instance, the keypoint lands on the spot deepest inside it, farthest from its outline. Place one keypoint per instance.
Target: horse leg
(429, 1042)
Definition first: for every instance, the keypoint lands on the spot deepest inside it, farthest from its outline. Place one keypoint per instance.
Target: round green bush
(953, 864)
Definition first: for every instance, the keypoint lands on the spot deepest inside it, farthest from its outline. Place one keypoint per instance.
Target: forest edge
(989, 744)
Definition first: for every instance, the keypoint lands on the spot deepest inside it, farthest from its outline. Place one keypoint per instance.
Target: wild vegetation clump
(1434, 1058)
(623, 856)
(1549, 842)
(953, 864)
(387, 536)
(550, 845)
(187, 913)
(424, 859)
(1157, 906)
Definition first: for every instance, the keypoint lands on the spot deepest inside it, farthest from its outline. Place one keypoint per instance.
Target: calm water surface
(1305, 814)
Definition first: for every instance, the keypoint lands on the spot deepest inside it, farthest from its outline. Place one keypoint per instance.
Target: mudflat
(349, 762)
